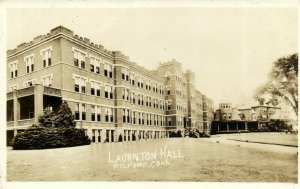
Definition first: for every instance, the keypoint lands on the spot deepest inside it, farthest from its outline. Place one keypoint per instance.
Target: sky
(231, 50)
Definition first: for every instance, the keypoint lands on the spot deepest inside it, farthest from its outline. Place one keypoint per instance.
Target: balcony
(25, 92)
(25, 122)
(52, 91)
(10, 124)
(30, 91)
(9, 96)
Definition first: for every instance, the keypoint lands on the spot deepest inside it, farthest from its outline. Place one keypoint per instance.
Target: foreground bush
(174, 134)
(45, 138)
(195, 133)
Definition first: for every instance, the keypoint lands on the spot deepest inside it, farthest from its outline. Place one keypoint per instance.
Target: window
(47, 80)
(147, 84)
(142, 118)
(29, 63)
(169, 121)
(108, 70)
(109, 115)
(108, 91)
(161, 104)
(98, 113)
(161, 89)
(46, 57)
(133, 118)
(83, 112)
(125, 94)
(125, 74)
(138, 81)
(141, 99)
(168, 102)
(79, 84)
(148, 118)
(13, 87)
(93, 115)
(168, 90)
(29, 83)
(124, 116)
(95, 88)
(150, 102)
(95, 65)
(147, 101)
(79, 59)
(77, 111)
(142, 83)
(13, 67)
(132, 97)
(132, 79)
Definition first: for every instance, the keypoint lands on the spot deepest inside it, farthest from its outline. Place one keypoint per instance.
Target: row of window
(129, 116)
(29, 61)
(181, 107)
(95, 64)
(149, 102)
(80, 87)
(142, 83)
(96, 112)
(140, 118)
(45, 80)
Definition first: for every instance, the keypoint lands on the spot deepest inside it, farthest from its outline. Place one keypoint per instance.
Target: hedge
(45, 138)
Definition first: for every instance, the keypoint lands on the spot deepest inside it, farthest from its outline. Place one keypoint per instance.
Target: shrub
(55, 130)
(278, 125)
(192, 133)
(45, 138)
(175, 134)
(62, 118)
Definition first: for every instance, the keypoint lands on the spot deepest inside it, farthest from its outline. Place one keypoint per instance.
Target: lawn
(270, 138)
(182, 159)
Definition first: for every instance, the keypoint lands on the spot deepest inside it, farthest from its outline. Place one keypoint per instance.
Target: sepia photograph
(151, 94)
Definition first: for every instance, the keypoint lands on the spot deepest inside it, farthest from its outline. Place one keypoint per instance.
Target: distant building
(235, 119)
(111, 97)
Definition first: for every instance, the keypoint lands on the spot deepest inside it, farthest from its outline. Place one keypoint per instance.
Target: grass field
(188, 160)
(271, 138)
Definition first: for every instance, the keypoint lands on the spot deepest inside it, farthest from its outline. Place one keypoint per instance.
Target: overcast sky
(231, 50)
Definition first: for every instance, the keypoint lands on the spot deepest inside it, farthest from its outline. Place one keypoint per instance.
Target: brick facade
(111, 97)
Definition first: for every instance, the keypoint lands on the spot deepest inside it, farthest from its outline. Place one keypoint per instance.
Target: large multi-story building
(111, 97)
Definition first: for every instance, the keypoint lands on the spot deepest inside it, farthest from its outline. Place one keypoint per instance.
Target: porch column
(246, 126)
(227, 127)
(16, 108)
(15, 132)
(218, 127)
(38, 101)
(109, 135)
(96, 136)
(237, 126)
(103, 135)
(129, 135)
(90, 133)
